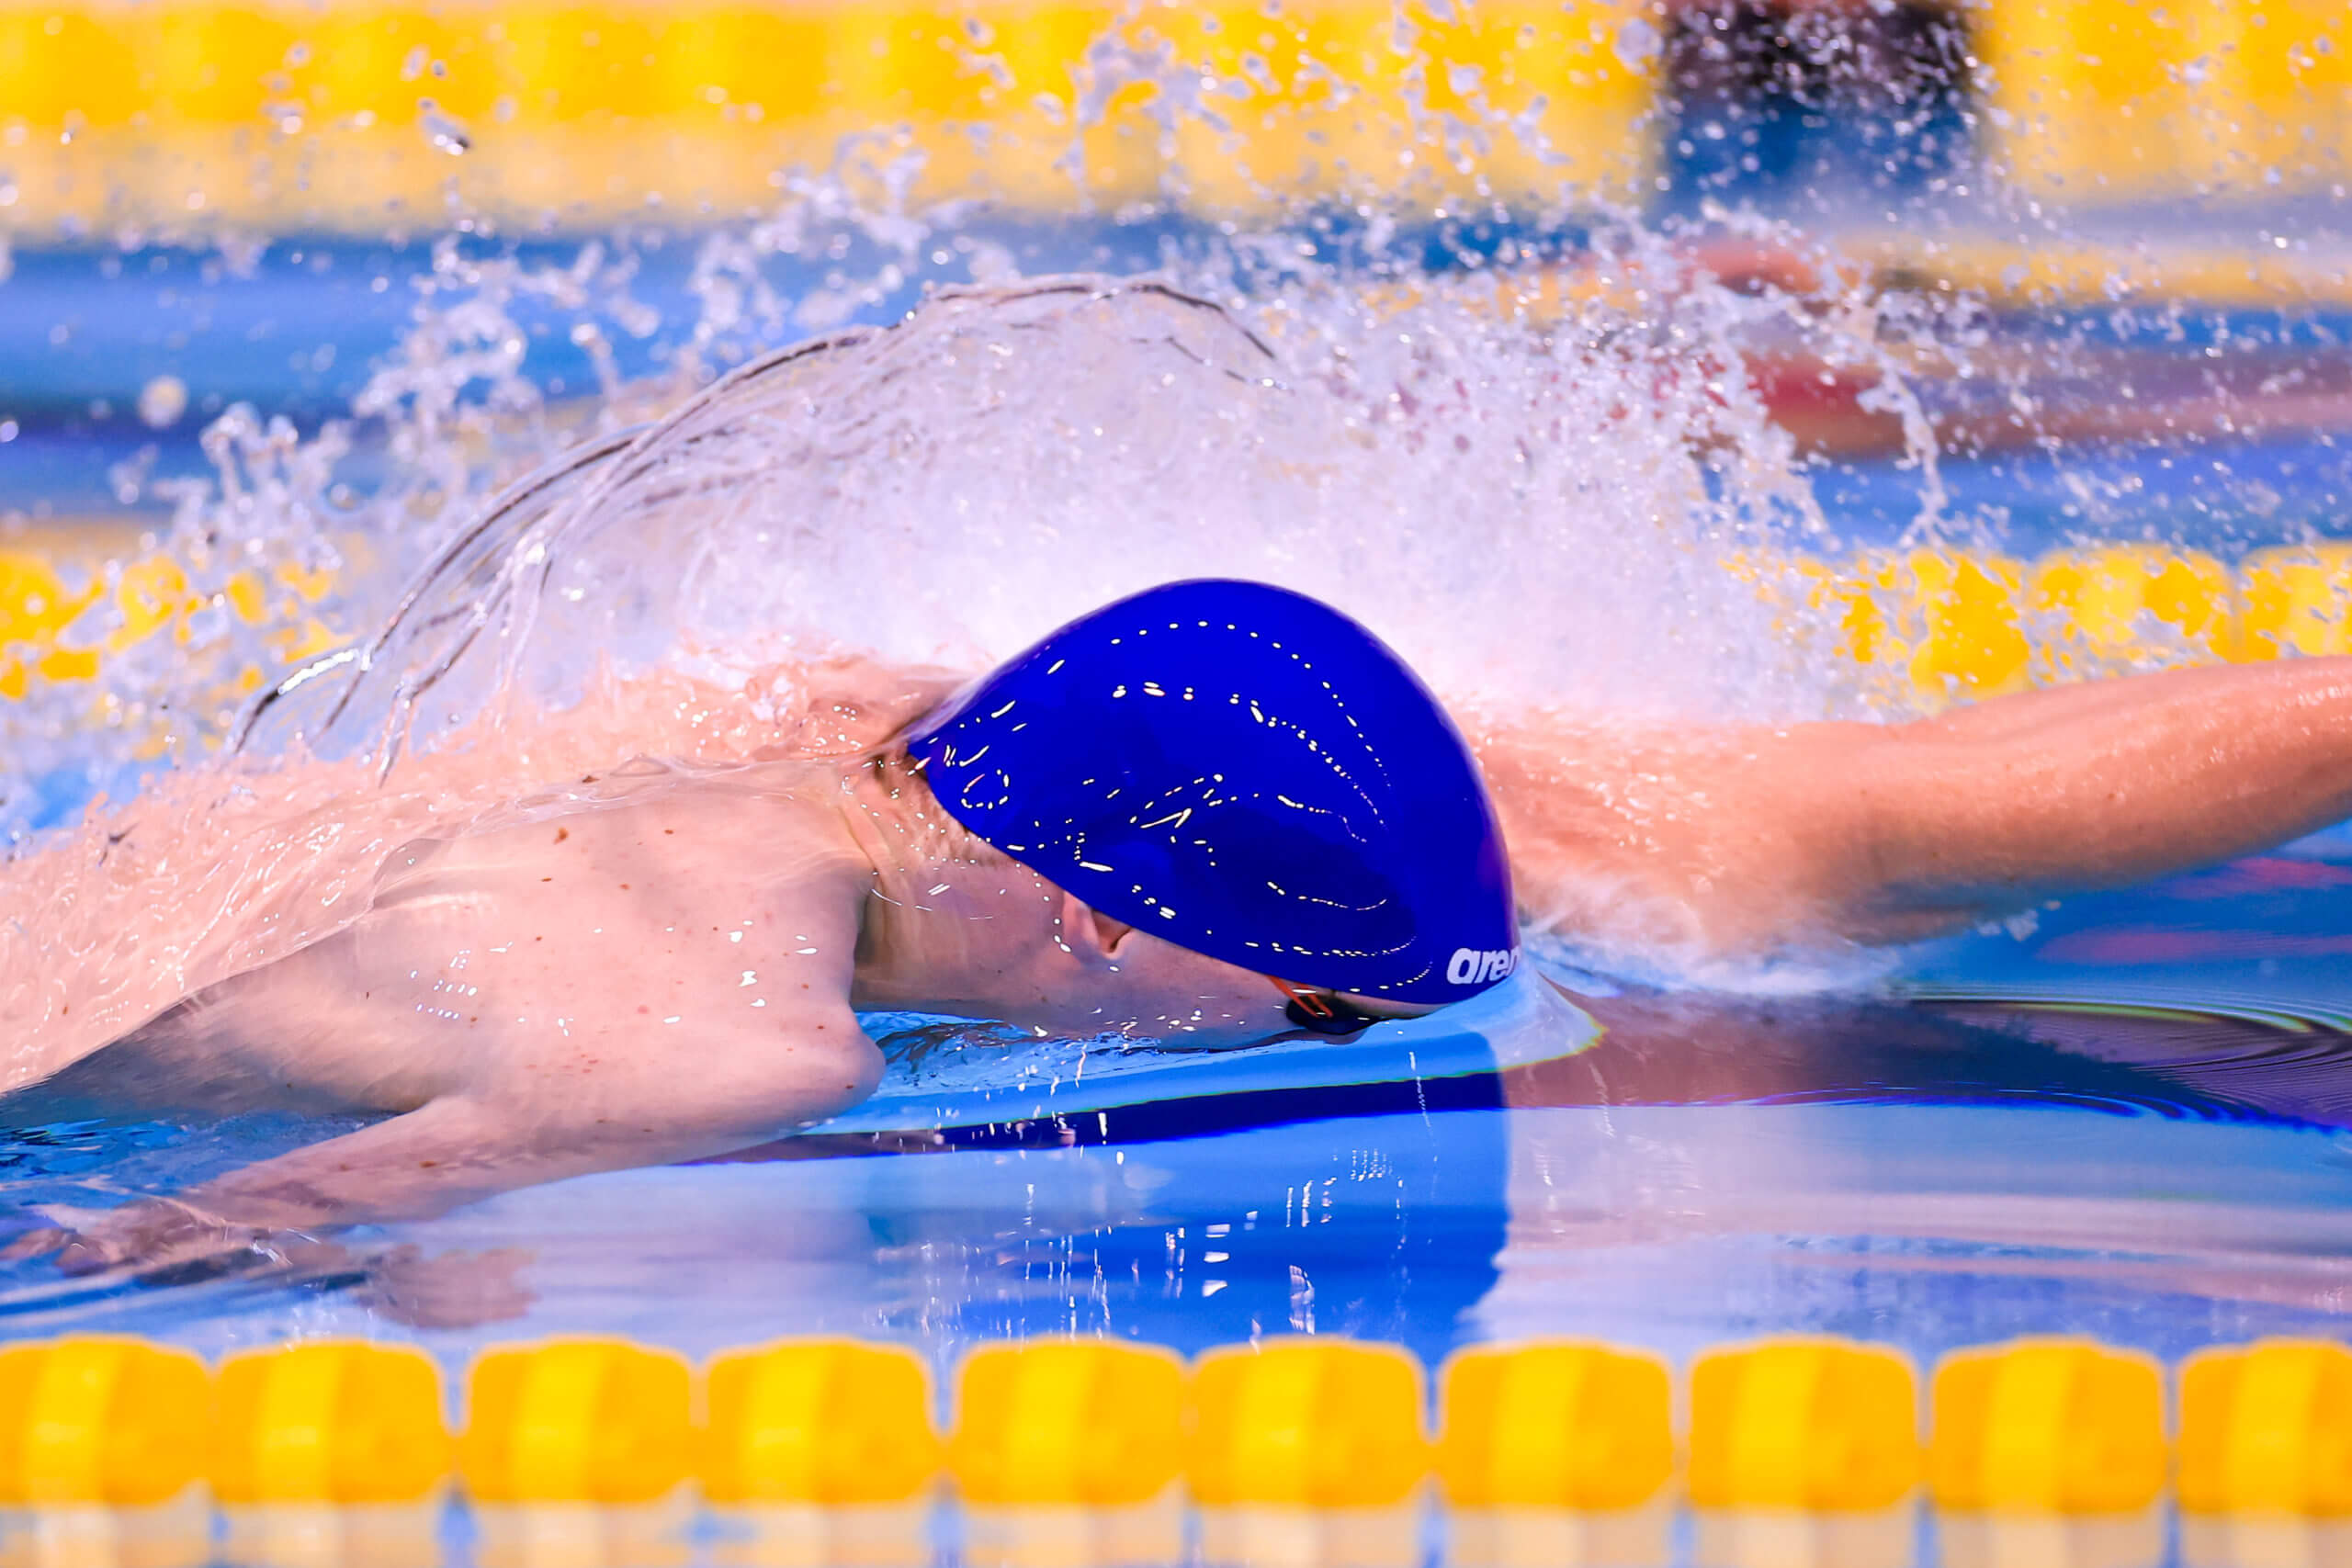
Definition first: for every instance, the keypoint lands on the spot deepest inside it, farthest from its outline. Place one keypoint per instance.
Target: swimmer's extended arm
(1752, 840)
(710, 1098)
(2104, 783)
(656, 1107)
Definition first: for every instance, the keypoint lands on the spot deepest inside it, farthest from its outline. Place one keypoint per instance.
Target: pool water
(2134, 1122)
(2134, 1118)
(2129, 1116)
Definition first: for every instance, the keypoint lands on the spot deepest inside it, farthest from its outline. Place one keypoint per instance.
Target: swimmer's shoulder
(676, 796)
(703, 882)
(716, 913)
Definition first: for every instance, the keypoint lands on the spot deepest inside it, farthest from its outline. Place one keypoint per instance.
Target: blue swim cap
(1245, 772)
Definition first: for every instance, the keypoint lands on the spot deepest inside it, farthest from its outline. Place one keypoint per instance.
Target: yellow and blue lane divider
(2058, 1426)
(358, 117)
(1931, 626)
(376, 114)
(1921, 627)
(44, 592)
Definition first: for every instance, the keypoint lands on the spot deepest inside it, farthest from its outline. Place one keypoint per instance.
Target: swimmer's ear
(1091, 933)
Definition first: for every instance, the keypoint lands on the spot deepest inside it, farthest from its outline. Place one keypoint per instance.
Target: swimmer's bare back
(636, 985)
(658, 981)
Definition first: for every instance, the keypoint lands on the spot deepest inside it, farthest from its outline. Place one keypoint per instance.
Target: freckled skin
(676, 976)
(516, 995)
(1745, 842)
(533, 1002)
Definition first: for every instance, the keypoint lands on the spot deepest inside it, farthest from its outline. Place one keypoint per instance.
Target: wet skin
(677, 975)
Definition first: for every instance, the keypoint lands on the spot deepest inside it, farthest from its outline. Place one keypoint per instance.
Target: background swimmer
(673, 970)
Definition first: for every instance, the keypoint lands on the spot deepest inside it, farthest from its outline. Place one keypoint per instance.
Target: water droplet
(1636, 43)
(446, 133)
(161, 402)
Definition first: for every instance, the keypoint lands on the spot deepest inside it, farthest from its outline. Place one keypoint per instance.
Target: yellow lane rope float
(2049, 1426)
(1921, 627)
(2097, 100)
(387, 114)
(1929, 627)
(371, 116)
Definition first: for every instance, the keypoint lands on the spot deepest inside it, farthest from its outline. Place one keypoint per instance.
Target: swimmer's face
(1109, 979)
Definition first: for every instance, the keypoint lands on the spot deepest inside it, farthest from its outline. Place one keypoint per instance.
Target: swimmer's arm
(2099, 785)
(719, 1095)
(1748, 840)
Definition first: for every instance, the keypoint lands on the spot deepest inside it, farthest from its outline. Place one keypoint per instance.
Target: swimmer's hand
(148, 1235)
(447, 1290)
(166, 1235)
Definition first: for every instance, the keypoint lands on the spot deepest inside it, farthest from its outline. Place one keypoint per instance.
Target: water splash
(1532, 476)
(1531, 508)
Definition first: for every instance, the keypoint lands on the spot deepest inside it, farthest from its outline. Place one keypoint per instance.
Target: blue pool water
(1934, 1167)
(1927, 1164)
(2131, 1119)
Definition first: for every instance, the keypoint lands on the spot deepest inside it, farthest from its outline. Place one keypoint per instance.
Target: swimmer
(1216, 811)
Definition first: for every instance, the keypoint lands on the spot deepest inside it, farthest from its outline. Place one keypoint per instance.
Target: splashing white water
(1533, 498)
(1532, 488)
(1531, 509)
(1534, 502)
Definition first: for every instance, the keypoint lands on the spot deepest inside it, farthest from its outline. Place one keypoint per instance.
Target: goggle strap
(1319, 1006)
